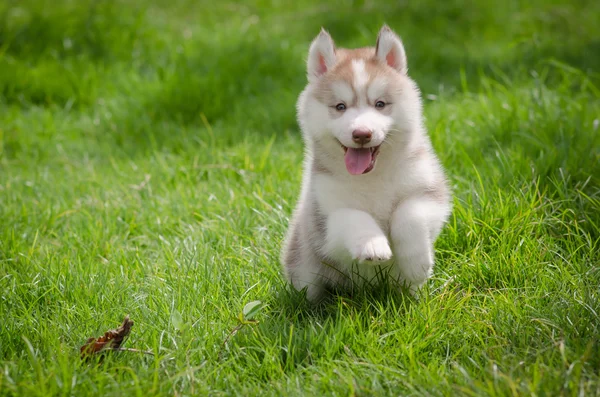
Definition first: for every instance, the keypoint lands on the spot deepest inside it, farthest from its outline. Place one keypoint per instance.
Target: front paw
(415, 268)
(371, 250)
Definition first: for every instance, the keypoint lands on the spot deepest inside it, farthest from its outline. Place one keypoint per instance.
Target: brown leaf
(112, 339)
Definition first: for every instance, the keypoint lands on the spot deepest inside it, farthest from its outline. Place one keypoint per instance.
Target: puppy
(374, 195)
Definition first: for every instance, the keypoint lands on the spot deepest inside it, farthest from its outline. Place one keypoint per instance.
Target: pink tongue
(357, 160)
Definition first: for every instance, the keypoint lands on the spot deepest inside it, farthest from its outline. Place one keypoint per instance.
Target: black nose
(361, 136)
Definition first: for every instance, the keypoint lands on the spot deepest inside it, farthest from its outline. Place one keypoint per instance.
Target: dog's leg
(355, 235)
(306, 274)
(301, 266)
(415, 225)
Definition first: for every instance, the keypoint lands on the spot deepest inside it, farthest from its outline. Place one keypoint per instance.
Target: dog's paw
(415, 268)
(372, 250)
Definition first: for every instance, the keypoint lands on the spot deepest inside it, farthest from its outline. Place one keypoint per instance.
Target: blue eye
(340, 107)
(380, 104)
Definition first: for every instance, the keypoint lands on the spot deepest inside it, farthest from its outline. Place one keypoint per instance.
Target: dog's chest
(377, 197)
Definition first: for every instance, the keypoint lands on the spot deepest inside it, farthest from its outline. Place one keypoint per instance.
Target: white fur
(369, 244)
(361, 78)
(376, 89)
(348, 228)
(389, 43)
(343, 91)
(322, 51)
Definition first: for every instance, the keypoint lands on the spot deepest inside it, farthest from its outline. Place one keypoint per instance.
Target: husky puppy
(374, 195)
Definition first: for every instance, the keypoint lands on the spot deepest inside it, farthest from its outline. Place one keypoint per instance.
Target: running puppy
(374, 195)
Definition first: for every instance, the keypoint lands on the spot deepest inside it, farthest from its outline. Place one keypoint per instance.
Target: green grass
(150, 159)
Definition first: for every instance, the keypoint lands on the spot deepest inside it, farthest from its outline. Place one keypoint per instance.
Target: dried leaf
(112, 339)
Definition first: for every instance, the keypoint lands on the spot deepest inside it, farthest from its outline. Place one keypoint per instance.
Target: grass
(150, 159)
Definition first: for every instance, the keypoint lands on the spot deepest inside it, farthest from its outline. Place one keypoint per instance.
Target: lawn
(150, 159)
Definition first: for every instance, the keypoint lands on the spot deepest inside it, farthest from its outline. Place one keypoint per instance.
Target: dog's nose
(361, 136)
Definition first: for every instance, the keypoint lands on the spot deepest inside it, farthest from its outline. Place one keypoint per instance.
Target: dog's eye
(380, 104)
(340, 107)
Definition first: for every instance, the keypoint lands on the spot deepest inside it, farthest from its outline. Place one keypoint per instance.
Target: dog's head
(358, 99)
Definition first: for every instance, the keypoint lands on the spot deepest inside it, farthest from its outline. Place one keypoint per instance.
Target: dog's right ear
(321, 56)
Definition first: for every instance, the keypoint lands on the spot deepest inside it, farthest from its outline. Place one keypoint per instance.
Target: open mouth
(360, 160)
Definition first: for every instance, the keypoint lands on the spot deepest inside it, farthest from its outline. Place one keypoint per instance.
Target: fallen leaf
(112, 339)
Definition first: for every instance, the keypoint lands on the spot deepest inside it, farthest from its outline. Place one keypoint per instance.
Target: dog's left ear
(390, 50)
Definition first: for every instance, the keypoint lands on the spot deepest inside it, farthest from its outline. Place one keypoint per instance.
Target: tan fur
(342, 71)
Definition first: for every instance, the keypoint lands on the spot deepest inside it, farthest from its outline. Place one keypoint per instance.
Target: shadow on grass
(298, 333)
(293, 304)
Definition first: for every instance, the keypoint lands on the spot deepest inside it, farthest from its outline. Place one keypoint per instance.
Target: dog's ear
(321, 56)
(390, 50)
